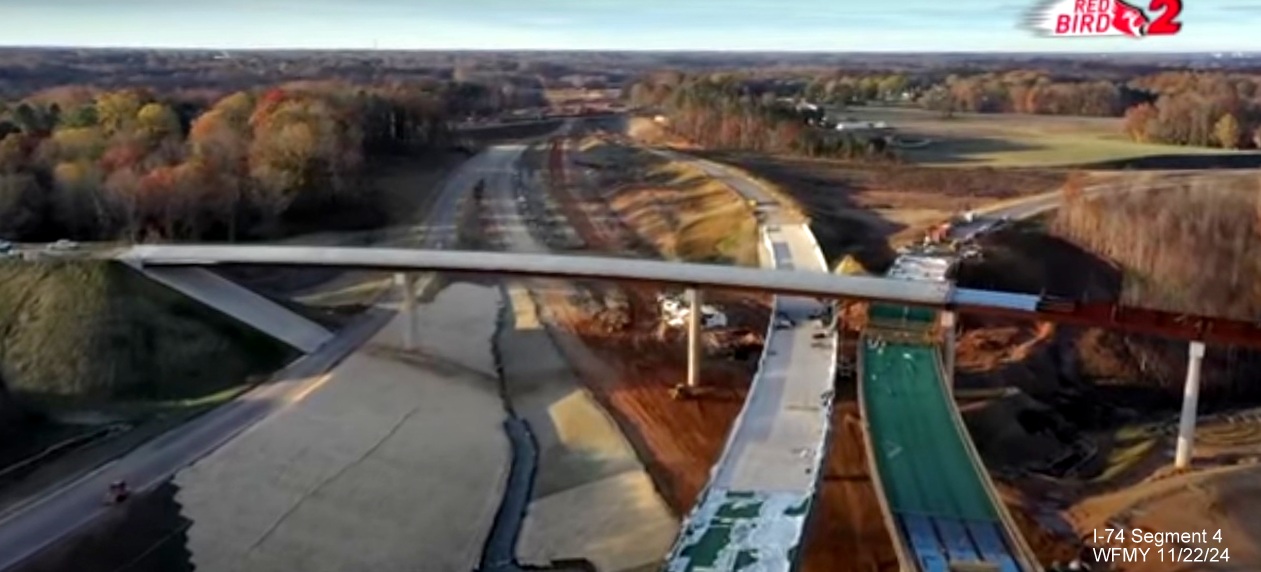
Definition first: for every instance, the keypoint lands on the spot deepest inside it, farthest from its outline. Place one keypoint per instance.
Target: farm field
(1014, 140)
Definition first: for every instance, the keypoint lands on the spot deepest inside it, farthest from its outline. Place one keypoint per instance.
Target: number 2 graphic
(1167, 23)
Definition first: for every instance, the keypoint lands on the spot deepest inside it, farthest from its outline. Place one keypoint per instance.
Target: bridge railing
(900, 547)
(1020, 548)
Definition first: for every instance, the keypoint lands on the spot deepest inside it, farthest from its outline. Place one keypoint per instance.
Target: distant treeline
(1215, 109)
(128, 164)
(721, 112)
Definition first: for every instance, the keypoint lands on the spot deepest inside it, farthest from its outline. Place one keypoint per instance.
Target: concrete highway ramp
(938, 499)
(243, 304)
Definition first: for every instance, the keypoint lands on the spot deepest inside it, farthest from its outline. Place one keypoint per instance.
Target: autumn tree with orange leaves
(127, 164)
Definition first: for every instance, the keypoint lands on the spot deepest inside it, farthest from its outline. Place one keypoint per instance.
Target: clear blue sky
(831, 25)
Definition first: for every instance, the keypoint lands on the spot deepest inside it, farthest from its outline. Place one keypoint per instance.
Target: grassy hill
(84, 332)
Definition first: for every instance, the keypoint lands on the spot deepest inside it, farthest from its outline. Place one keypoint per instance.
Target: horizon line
(749, 51)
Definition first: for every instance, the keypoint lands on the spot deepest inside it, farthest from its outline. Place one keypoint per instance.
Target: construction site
(628, 345)
(684, 422)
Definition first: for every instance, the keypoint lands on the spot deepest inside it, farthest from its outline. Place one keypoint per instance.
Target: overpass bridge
(940, 506)
(954, 516)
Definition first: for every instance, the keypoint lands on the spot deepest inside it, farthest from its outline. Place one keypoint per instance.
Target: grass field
(97, 331)
(1013, 140)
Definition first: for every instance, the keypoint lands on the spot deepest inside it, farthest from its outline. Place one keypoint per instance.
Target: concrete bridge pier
(1190, 405)
(407, 283)
(949, 327)
(693, 338)
(692, 386)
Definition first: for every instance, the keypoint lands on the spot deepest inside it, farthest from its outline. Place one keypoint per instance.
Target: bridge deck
(755, 508)
(936, 495)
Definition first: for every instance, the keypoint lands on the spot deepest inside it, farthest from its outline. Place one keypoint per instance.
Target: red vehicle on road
(117, 493)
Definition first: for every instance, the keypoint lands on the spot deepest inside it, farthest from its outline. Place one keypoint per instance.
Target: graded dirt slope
(397, 461)
(672, 207)
(1225, 500)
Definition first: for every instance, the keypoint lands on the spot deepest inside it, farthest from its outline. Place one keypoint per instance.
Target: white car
(63, 245)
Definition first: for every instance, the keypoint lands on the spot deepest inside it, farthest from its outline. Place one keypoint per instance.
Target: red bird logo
(1129, 19)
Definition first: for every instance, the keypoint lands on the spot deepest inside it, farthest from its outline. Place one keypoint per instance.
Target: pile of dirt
(81, 331)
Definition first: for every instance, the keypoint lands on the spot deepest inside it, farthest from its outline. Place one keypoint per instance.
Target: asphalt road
(1047, 202)
(31, 527)
(38, 524)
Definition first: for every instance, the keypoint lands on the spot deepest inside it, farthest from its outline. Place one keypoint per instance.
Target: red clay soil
(848, 533)
(678, 440)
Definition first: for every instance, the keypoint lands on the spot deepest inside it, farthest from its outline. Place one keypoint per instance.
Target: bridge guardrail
(1021, 549)
(900, 547)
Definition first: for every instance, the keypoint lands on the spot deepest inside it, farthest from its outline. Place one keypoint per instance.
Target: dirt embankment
(859, 209)
(1142, 371)
(671, 209)
(1054, 368)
